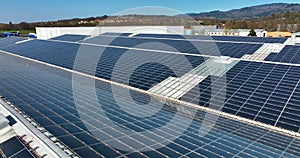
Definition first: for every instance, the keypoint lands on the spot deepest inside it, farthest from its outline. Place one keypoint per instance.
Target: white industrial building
(235, 32)
(201, 30)
(50, 32)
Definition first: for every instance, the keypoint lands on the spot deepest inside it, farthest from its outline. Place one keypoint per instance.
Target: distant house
(222, 32)
(235, 32)
(280, 34)
(259, 32)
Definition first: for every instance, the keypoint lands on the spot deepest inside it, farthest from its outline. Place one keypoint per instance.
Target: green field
(21, 31)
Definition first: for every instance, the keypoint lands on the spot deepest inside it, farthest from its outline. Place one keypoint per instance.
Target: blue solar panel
(218, 38)
(240, 102)
(46, 95)
(264, 92)
(258, 91)
(250, 39)
(58, 53)
(64, 55)
(236, 50)
(171, 36)
(289, 54)
(14, 148)
(116, 34)
(9, 41)
(70, 38)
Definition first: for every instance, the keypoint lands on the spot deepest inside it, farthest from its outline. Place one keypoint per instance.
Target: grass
(21, 31)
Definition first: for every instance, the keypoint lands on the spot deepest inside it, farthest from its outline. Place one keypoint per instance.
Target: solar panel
(64, 55)
(14, 148)
(46, 95)
(70, 38)
(116, 34)
(250, 39)
(226, 49)
(58, 53)
(257, 91)
(263, 82)
(95, 120)
(236, 50)
(9, 41)
(289, 54)
(217, 38)
(171, 36)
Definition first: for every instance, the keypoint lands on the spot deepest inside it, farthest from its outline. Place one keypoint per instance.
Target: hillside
(250, 12)
(289, 21)
(272, 17)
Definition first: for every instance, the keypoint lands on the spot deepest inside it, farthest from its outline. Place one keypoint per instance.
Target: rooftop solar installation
(59, 53)
(45, 94)
(9, 41)
(289, 54)
(70, 38)
(14, 148)
(250, 39)
(236, 50)
(266, 93)
(64, 54)
(218, 38)
(135, 97)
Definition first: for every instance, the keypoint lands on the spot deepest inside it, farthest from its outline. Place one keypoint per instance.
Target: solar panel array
(236, 50)
(250, 39)
(13, 148)
(70, 38)
(267, 93)
(264, 92)
(46, 95)
(58, 53)
(64, 54)
(9, 41)
(259, 97)
(289, 54)
(116, 34)
(218, 38)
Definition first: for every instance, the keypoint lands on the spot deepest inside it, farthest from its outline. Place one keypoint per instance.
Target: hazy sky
(47, 10)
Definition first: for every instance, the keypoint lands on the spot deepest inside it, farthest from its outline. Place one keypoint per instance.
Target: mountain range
(272, 17)
(250, 12)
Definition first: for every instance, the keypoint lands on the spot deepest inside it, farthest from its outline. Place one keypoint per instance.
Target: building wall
(189, 32)
(297, 37)
(297, 40)
(241, 32)
(214, 33)
(50, 32)
(175, 30)
(201, 30)
(245, 33)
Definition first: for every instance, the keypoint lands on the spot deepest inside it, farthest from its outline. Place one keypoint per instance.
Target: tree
(252, 33)
(24, 26)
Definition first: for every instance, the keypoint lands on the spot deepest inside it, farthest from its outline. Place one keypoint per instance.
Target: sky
(52, 10)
